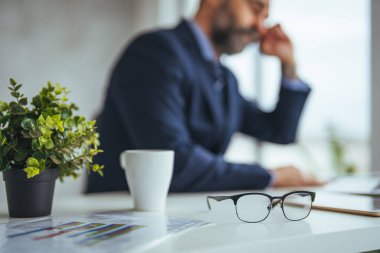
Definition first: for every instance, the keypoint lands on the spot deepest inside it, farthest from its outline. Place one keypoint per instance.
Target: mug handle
(122, 159)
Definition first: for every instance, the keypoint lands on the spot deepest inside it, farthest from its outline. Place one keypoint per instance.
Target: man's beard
(233, 40)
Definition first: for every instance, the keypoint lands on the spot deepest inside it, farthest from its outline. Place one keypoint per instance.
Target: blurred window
(332, 46)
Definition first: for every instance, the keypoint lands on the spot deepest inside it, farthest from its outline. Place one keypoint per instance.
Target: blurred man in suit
(170, 91)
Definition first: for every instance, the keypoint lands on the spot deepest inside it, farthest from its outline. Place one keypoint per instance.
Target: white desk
(320, 232)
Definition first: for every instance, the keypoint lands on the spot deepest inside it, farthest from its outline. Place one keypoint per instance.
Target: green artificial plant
(338, 154)
(46, 135)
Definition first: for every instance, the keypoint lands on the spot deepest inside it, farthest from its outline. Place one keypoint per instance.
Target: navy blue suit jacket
(161, 96)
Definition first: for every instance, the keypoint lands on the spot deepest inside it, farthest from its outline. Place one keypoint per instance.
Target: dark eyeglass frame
(274, 200)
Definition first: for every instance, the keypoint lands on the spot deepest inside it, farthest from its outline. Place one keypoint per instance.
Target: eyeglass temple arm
(303, 194)
(217, 198)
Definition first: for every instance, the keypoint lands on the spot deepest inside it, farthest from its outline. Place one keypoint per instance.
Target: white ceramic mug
(148, 173)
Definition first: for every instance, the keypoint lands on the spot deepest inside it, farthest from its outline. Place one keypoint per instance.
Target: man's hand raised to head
(290, 176)
(275, 42)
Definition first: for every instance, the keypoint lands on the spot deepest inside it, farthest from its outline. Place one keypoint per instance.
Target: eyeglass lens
(253, 208)
(297, 206)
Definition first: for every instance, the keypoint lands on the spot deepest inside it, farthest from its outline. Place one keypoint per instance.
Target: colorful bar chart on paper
(94, 233)
(92, 240)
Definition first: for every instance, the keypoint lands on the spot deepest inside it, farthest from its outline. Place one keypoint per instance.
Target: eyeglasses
(255, 207)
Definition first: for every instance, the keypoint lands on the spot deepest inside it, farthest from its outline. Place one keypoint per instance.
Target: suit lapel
(231, 102)
(212, 98)
(205, 68)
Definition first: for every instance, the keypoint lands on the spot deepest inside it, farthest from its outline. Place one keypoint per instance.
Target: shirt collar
(203, 42)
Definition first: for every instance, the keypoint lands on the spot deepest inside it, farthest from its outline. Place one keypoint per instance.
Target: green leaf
(36, 144)
(92, 123)
(12, 82)
(15, 94)
(3, 106)
(46, 133)
(65, 114)
(76, 163)
(58, 89)
(49, 122)
(81, 119)
(59, 126)
(42, 140)
(49, 144)
(67, 151)
(20, 156)
(31, 171)
(32, 162)
(74, 175)
(40, 120)
(26, 134)
(97, 168)
(50, 86)
(35, 133)
(17, 87)
(39, 155)
(46, 100)
(55, 160)
(56, 117)
(42, 165)
(3, 140)
(15, 108)
(27, 124)
(23, 101)
(69, 123)
(4, 119)
(88, 158)
(36, 101)
(6, 149)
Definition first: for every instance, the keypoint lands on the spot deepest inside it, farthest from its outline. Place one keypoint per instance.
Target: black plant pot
(29, 197)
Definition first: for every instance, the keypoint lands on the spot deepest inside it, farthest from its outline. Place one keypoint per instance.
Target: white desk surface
(321, 232)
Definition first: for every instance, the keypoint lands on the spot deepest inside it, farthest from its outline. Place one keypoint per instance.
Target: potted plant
(41, 143)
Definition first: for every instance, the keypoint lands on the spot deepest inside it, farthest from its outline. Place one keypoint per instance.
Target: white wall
(72, 42)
